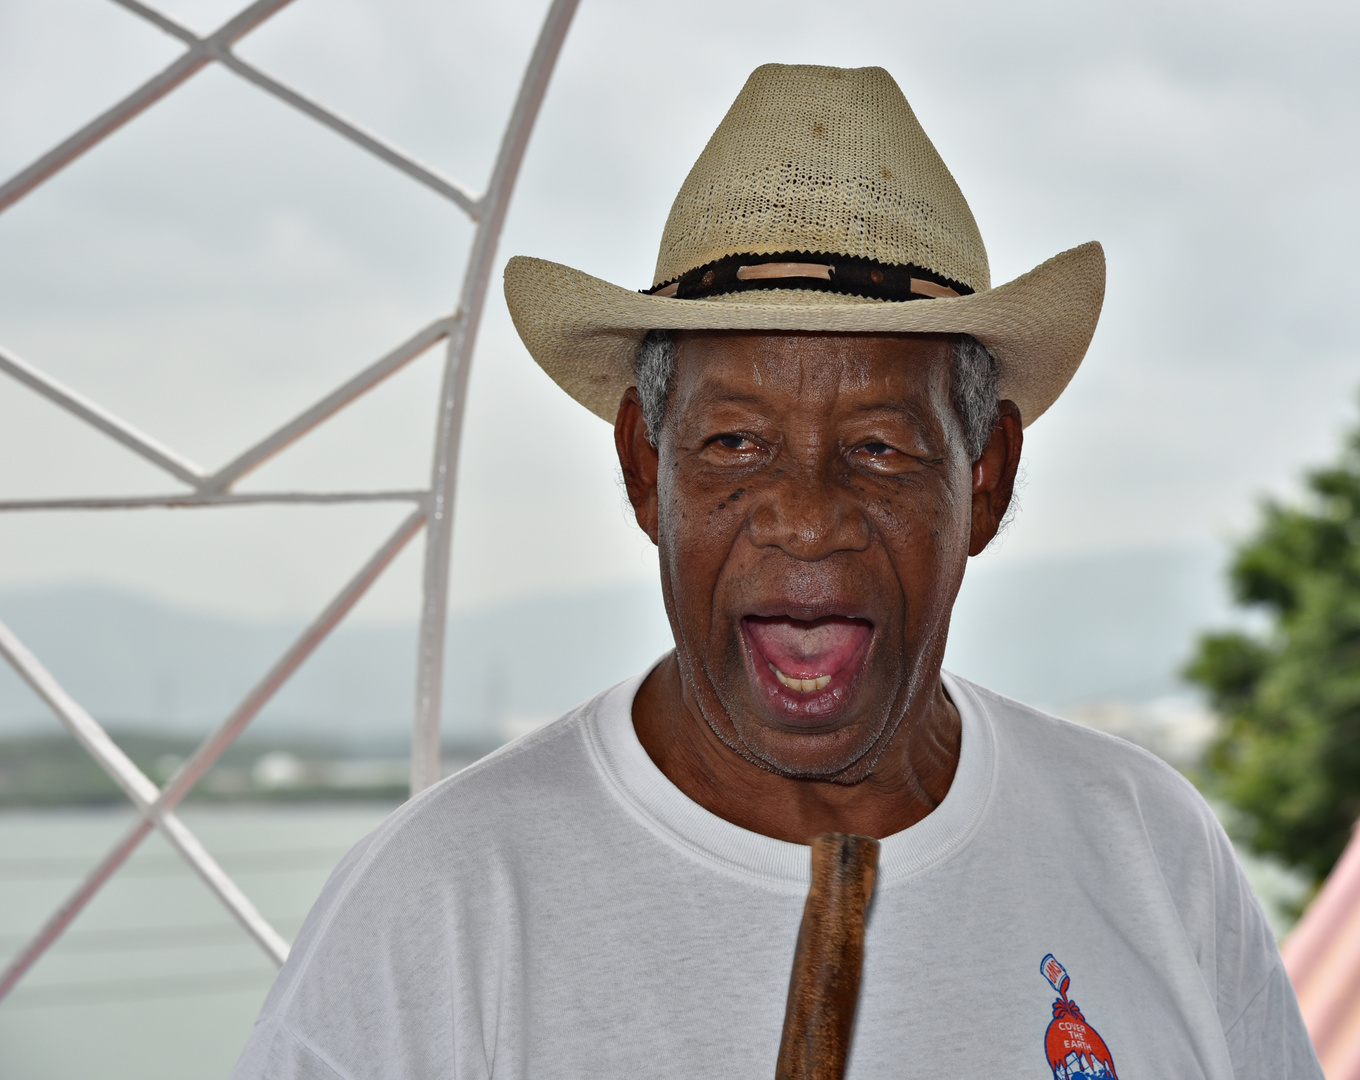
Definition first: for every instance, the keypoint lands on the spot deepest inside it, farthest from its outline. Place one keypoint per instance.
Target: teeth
(803, 686)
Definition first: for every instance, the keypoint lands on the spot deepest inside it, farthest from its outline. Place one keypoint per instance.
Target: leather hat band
(847, 274)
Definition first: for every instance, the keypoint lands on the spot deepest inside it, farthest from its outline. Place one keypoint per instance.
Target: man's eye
(877, 449)
(733, 442)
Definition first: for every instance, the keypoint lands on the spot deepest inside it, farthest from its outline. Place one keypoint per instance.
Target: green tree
(1288, 755)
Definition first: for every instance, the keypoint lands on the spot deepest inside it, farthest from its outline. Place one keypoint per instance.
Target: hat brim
(585, 332)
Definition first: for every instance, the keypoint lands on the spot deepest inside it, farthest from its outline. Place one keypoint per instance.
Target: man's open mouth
(807, 668)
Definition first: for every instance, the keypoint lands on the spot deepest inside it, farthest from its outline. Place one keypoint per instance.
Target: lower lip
(815, 708)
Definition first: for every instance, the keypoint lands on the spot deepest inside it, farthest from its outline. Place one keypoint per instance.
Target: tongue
(805, 650)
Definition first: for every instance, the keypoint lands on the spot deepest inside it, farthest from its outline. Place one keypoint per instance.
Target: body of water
(155, 980)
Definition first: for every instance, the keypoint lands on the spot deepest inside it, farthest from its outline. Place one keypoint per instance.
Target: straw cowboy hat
(818, 204)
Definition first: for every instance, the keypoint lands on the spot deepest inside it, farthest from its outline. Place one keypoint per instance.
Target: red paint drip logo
(1074, 1050)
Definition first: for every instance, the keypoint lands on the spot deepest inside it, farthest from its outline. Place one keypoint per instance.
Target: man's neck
(911, 778)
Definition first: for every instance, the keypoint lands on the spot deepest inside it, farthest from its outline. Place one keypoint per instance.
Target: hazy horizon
(1055, 633)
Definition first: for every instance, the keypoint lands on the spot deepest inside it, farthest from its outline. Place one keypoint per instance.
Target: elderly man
(818, 407)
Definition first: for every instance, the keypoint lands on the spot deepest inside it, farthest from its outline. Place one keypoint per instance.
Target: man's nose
(809, 513)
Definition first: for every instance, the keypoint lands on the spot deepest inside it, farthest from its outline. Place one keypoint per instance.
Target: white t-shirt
(561, 910)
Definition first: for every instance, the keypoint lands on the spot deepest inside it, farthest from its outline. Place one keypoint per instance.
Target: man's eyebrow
(711, 395)
(895, 406)
(911, 411)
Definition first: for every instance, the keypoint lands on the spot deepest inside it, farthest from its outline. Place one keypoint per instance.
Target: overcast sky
(223, 261)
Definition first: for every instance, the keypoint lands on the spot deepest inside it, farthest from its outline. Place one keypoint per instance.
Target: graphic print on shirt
(1074, 1050)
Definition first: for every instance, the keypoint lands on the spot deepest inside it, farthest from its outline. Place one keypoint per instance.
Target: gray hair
(976, 389)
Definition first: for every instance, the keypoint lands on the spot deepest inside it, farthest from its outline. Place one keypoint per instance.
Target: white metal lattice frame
(433, 506)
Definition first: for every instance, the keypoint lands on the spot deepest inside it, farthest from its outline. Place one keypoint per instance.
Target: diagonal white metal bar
(273, 943)
(425, 764)
(161, 21)
(412, 167)
(332, 403)
(81, 724)
(244, 21)
(110, 757)
(417, 170)
(155, 452)
(193, 770)
(283, 498)
(195, 58)
(72, 906)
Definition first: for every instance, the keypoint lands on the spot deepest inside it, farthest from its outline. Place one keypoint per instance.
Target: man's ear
(639, 460)
(994, 476)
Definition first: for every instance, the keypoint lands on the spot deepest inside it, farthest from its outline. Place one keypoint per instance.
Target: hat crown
(826, 160)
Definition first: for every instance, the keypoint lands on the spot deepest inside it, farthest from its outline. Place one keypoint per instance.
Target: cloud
(222, 261)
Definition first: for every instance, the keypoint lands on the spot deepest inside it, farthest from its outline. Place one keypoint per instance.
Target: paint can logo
(1074, 1049)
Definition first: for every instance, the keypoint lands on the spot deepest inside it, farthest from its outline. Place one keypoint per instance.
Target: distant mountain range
(1113, 627)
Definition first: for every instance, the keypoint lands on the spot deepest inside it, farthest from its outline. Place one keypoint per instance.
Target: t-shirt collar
(662, 807)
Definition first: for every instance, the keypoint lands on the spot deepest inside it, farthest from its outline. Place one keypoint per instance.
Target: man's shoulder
(465, 839)
(1027, 729)
(536, 778)
(439, 877)
(1095, 768)
(509, 806)
(541, 761)
(1090, 792)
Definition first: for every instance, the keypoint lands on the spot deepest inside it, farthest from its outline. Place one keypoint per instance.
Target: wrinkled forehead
(813, 370)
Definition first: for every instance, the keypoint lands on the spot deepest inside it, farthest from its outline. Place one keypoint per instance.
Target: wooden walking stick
(824, 987)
